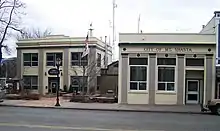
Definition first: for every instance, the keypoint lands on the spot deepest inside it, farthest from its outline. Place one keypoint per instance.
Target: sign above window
(177, 49)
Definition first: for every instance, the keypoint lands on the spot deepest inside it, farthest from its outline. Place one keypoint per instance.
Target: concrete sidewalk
(65, 104)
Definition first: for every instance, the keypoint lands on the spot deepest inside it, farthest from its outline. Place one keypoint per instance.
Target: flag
(3, 61)
(86, 50)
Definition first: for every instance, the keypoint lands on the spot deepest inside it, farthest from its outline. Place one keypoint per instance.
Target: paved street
(27, 119)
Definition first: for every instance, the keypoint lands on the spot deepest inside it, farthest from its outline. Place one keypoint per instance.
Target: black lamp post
(58, 63)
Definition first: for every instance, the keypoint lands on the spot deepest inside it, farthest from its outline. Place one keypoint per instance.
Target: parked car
(214, 106)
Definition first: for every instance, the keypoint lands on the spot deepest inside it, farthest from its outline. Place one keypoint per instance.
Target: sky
(72, 17)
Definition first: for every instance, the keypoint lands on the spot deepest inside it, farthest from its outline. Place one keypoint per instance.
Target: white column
(217, 32)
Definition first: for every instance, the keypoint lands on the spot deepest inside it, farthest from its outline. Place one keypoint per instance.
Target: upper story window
(194, 62)
(77, 60)
(99, 62)
(52, 57)
(30, 59)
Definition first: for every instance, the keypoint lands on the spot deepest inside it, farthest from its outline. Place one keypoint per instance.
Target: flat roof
(167, 38)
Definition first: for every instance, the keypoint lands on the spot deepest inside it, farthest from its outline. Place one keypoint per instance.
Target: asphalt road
(27, 119)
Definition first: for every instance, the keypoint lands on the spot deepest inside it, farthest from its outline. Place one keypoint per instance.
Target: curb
(98, 109)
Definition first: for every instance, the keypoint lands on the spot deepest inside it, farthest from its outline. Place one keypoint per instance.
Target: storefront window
(138, 73)
(166, 74)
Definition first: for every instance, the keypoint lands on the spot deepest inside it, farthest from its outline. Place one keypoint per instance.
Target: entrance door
(192, 92)
(218, 91)
(53, 86)
(53, 82)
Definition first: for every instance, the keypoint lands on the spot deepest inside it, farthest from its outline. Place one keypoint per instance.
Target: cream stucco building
(166, 68)
(213, 27)
(36, 56)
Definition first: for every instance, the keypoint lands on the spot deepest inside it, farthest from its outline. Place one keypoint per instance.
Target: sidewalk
(65, 104)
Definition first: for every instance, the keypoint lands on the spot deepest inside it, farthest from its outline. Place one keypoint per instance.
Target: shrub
(13, 97)
(32, 96)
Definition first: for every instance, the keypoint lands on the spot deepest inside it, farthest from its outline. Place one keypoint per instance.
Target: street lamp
(58, 63)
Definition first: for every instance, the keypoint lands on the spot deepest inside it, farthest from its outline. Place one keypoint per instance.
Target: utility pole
(106, 53)
(113, 28)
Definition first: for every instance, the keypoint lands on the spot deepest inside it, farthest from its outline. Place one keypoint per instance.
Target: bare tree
(33, 33)
(91, 71)
(10, 12)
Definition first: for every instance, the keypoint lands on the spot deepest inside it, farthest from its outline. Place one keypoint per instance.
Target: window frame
(166, 82)
(80, 82)
(80, 60)
(30, 61)
(138, 82)
(194, 63)
(54, 54)
(31, 85)
(165, 59)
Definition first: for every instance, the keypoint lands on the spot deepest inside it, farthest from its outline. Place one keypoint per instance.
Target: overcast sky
(72, 17)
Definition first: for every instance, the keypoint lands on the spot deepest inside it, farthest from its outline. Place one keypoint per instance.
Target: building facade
(213, 27)
(166, 68)
(36, 56)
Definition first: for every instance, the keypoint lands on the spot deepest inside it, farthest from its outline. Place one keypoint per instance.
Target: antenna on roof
(139, 19)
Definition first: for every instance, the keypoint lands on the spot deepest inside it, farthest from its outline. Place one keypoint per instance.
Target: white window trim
(31, 83)
(30, 60)
(138, 81)
(166, 87)
(166, 91)
(55, 58)
(80, 61)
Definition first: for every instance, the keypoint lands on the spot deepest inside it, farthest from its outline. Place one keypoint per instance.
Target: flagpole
(139, 19)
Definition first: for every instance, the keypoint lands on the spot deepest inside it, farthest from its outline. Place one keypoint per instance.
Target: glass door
(54, 86)
(192, 92)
